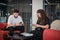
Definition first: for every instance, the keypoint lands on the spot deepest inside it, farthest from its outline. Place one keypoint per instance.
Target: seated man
(15, 22)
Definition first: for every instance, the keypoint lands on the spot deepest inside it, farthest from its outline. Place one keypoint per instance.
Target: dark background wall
(24, 7)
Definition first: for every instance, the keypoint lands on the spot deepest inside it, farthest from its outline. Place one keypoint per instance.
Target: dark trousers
(12, 29)
(37, 34)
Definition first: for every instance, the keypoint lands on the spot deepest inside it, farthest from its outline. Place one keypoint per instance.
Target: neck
(15, 17)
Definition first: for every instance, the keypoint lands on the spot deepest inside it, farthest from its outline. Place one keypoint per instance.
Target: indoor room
(29, 19)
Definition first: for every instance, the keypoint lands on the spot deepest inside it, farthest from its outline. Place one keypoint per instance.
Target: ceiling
(15, 1)
(53, 1)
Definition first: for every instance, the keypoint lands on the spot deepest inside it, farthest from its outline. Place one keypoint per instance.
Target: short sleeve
(47, 22)
(9, 20)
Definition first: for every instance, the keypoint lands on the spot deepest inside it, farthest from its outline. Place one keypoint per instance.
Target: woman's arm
(42, 26)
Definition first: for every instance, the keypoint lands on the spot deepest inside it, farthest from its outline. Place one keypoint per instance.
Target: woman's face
(38, 15)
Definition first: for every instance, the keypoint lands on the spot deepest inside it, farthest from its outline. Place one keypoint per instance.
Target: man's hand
(10, 25)
(18, 24)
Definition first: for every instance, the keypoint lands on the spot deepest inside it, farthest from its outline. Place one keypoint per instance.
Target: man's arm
(21, 21)
(9, 22)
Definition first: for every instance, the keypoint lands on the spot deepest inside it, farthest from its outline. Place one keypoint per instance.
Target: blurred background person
(55, 25)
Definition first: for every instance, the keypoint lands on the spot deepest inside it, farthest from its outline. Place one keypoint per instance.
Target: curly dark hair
(15, 11)
(43, 16)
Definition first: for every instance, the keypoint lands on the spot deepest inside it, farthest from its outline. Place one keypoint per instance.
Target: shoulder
(19, 17)
(47, 18)
(11, 16)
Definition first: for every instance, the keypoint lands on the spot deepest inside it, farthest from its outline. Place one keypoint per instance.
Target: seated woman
(42, 23)
(55, 25)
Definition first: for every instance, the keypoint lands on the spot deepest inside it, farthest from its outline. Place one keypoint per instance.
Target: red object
(50, 34)
(2, 25)
(1, 35)
(2, 32)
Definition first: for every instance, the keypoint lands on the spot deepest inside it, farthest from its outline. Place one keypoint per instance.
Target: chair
(3, 25)
(50, 34)
(1, 35)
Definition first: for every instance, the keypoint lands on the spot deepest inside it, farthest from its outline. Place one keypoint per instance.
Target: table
(22, 36)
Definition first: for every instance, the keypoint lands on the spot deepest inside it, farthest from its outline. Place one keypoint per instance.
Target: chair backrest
(50, 34)
(2, 25)
(1, 35)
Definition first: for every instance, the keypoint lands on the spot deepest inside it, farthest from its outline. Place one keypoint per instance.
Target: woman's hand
(33, 24)
(37, 25)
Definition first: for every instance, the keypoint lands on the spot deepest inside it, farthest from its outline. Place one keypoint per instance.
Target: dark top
(47, 21)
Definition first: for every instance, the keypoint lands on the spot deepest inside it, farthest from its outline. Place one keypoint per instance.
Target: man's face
(15, 15)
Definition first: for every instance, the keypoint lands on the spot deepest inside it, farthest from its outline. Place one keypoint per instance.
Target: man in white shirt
(15, 22)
